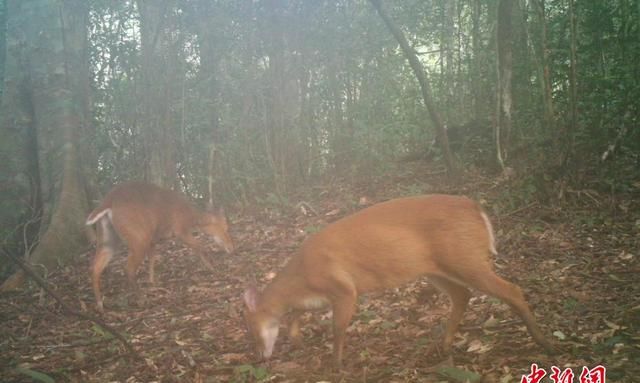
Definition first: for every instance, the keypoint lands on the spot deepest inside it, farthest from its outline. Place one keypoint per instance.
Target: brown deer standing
(141, 214)
(446, 238)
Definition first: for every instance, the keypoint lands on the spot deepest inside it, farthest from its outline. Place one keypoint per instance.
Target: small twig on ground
(532, 204)
(77, 344)
(27, 270)
(586, 192)
(305, 206)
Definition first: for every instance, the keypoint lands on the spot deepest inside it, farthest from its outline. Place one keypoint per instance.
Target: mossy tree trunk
(48, 71)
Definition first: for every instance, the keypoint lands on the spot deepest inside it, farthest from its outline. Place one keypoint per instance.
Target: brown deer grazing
(141, 214)
(446, 238)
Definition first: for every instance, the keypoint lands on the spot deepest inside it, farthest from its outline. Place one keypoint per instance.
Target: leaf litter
(577, 265)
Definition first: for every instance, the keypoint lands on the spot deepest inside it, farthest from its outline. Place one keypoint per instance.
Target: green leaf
(244, 371)
(101, 332)
(312, 229)
(260, 373)
(244, 368)
(570, 304)
(459, 375)
(616, 278)
(35, 375)
(366, 315)
(615, 340)
(386, 325)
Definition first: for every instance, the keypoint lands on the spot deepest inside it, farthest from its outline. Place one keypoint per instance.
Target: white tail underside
(492, 240)
(99, 216)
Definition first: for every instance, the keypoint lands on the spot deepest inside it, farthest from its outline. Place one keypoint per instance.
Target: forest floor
(577, 262)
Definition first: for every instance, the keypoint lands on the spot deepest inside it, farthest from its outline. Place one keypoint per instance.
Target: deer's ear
(251, 298)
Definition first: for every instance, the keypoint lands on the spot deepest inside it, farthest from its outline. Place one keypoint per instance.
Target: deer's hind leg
(104, 253)
(482, 277)
(459, 296)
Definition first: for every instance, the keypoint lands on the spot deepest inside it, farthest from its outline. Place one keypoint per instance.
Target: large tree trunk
(419, 71)
(157, 132)
(21, 192)
(54, 58)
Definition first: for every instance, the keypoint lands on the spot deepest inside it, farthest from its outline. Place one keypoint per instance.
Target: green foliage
(386, 325)
(617, 339)
(413, 190)
(263, 110)
(99, 331)
(459, 375)
(249, 373)
(3, 42)
(570, 304)
(423, 341)
(366, 316)
(349, 103)
(35, 375)
(274, 201)
(312, 229)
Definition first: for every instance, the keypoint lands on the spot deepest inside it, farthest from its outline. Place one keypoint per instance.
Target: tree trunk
(20, 194)
(53, 49)
(476, 63)
(504, 40)
(158, 138)
(567, 139)
(446, 58)
(3, 42)
(209, 58)
(419, 71)
(547, 95)
(281, 138)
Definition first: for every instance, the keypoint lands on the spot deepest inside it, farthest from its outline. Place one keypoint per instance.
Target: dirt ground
(576, 261)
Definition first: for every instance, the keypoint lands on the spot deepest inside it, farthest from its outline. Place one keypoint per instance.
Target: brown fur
(386, 245)
(141, 214)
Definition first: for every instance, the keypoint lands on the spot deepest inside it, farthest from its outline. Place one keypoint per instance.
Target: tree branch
(41, 282)
(419, 72)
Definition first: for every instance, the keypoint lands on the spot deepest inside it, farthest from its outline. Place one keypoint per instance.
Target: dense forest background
(254, 102)
(294, 113)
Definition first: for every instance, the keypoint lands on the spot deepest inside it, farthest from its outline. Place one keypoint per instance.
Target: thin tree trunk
(504, 40)
(275, 104)
(209, 59)
(446, 57)
(419, 71)
(281, 138)
(476, 62)
(547, 96)
(3, 42)
(568, 137)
